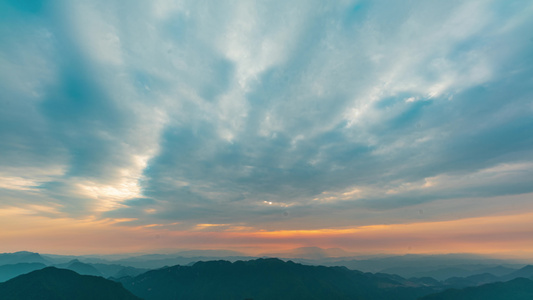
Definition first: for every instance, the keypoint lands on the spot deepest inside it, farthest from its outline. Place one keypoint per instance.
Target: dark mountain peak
(269, 259)
(211, 263)
(266, 262)
(260, 262)
(55, 283)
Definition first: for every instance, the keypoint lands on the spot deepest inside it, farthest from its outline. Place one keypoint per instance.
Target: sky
(371, 126)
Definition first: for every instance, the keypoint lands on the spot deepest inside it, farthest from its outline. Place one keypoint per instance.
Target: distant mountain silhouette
(22, 257)
(497, 271)
(526, 272)
(440, 267)
(484, 278)
(81, 268)
(117, 271)
(210, 253)
(426, 281)
(437, 273)
(156, 261)
(516, 289)
(473, 280)
(13, 270)
(310, 253)
(266, 279)
(56, 284)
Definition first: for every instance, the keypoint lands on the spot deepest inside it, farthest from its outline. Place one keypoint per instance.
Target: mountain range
(516, 289)
(267, 278)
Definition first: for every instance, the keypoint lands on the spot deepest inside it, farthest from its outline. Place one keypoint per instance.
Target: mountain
(267, 279)
(516, 289)
(526, 272)
(56, 259)
(310, 253)
(81, 268)
(129, 272)
(426, 281)
(13, 270)
(114, 258)
(479, 279)
(439, 267)
(210, 253)
(156, 261)
(56, 284)
(22, 257)
(473, 280)
(497, 270)
(437, 273)
(117, 271)
(482, 278)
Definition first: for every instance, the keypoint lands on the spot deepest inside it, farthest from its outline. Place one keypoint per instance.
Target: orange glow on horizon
(492, 234)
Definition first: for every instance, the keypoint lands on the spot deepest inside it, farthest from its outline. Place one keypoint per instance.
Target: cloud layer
(265, 115)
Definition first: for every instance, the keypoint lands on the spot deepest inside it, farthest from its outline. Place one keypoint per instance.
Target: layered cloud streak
(265, 115)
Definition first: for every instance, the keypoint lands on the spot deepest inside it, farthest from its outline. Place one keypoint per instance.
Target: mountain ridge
(266, 278)
(52, 283)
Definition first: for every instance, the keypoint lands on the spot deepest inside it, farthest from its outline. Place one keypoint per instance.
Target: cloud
(265, 115)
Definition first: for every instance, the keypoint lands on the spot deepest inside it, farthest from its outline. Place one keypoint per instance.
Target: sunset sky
(371, 126)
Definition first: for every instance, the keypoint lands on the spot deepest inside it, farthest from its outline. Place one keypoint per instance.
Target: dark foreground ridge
(516, 289)
(57, 284)
(264, 279)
